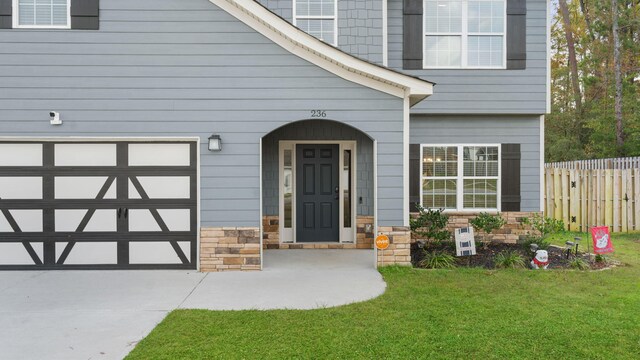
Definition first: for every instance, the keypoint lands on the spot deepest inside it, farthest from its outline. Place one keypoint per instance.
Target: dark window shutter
(412, 35)
(511, 177)
(85, 14)
(6, 21)
(516, 34)
(414, 176)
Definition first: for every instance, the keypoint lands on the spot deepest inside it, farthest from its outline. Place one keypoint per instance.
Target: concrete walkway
(103, 314)
(293, 279)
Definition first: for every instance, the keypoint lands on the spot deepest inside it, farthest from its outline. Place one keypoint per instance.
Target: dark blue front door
(317, 193)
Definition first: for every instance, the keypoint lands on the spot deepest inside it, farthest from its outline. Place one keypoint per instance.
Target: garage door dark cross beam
(26, 244)
(129, 216)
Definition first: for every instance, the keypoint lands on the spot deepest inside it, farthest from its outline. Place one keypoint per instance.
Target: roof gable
(324, 55)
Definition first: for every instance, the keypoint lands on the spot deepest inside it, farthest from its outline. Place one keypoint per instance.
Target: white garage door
(98, 205)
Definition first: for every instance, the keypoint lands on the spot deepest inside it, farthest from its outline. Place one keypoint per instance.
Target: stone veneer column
(364, 238)
(271, 232)
(399, 250)
(229, 248)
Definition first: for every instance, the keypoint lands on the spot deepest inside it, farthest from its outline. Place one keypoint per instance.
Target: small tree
(487, 223)
(430, 224)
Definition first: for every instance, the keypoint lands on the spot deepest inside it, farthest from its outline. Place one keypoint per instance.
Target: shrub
(509, 259)
(601, 259)
(578, 264)
(430, 224)
(544, 226)
(437, 260)
(487, 223)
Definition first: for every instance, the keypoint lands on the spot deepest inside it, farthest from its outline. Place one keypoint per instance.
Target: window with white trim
(50, 14)
(317, 18)
(460, 177)
(465, 34)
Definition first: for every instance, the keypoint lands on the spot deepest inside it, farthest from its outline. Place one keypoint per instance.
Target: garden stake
(533, 248)
(577, 239)
(568, 248)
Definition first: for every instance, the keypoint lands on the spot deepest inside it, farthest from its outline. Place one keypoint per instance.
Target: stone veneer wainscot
(229, 248)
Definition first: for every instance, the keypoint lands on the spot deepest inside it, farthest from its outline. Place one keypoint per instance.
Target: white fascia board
(324, 55)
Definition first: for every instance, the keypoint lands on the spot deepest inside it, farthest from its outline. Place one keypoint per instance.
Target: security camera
(55, 118)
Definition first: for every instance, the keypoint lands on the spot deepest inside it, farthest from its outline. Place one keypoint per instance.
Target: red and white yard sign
(601, 240)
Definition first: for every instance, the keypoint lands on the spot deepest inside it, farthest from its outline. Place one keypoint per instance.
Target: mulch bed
(484, 257)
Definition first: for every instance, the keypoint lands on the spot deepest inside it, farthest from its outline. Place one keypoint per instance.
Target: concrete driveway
(103, 314)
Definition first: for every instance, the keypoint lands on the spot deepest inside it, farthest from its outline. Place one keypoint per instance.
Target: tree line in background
(595, 80)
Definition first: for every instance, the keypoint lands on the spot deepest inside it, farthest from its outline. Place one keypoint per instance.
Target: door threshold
(314, 245)
(316, 242)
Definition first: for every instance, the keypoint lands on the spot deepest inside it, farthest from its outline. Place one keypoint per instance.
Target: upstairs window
(50, 14)
(464, 34)
(317, 18)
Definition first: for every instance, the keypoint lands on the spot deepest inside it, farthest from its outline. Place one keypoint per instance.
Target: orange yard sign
(382, 242)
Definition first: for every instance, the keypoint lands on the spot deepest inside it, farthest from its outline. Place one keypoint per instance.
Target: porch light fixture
(215, 143)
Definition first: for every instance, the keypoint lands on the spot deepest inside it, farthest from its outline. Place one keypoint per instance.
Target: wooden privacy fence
(598, 164)
(594, 197)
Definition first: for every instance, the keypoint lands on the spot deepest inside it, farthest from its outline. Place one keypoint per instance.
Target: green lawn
(462, 313)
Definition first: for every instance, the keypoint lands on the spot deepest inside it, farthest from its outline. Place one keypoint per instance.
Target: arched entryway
(318, 187)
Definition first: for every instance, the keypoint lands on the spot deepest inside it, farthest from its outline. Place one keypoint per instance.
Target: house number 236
(318, 114)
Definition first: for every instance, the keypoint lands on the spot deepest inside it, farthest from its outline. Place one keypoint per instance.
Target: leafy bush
(487, 223)
(430, 224)
(578, 264)
(437, 260)
(544, 226)
(509, 259)
(601, 259)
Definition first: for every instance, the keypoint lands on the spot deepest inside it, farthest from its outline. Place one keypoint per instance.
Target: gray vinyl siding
(317, 130)
(185, 68)
(460, 129)
(462, 91)
(359, 25)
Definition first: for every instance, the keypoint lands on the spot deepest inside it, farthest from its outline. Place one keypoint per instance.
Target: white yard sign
(465, 242)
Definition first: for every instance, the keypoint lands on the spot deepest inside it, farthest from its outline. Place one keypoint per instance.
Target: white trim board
(542, 177)
(260, 225)
(406, 126)
(385, 33)
(548, 43)
(375, 200)
(71, 139)
(324, 55)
